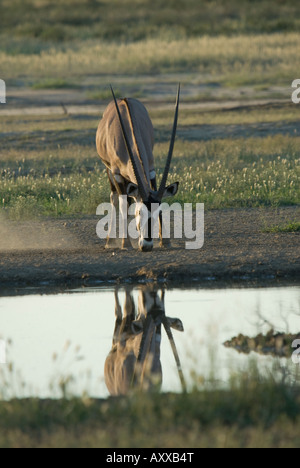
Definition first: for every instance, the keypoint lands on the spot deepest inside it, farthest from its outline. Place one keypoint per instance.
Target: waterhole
(85, 340)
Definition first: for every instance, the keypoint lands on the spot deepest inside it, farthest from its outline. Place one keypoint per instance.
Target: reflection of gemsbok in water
(134, 360)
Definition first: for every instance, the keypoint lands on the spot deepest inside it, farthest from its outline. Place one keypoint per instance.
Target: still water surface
(71, 333)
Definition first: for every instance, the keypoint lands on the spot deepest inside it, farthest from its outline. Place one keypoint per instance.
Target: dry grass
(233, 60)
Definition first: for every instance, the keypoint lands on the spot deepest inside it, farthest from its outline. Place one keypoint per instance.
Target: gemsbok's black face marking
(148, 213)
(125, 143)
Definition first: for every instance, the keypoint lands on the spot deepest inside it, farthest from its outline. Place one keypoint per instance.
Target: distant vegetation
(132, 20)
(232, 61)
(223, 39)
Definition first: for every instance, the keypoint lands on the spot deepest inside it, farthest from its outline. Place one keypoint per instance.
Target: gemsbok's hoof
(165, 244)
(146, 245)
(126, 245)
(112, 244)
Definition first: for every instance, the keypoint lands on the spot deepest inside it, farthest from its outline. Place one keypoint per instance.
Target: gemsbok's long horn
(128, 147)
(168, 163)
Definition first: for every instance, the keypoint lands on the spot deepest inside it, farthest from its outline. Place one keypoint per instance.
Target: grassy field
(50, 166)
(50, 44)
(132, 20)
(232, 61)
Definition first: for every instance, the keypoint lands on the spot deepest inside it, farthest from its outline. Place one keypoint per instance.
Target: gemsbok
(134, 360)
(125, 141)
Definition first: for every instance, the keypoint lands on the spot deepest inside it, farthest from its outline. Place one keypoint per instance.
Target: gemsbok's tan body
(112, 148)
(125, 140)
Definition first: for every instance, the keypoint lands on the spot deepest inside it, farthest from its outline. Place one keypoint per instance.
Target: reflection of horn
(169, 158)
(130, 154)
(176, 356)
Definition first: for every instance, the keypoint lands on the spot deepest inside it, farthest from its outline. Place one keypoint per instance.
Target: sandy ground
(25, 101)
(64, 251)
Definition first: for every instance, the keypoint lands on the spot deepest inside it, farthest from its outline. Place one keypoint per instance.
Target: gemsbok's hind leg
(125, 241)
(111, 239)
(118, 317)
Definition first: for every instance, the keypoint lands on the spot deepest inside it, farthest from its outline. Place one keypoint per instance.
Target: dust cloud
(34, 235)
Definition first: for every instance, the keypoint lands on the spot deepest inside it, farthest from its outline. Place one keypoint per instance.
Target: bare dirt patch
(68, 251)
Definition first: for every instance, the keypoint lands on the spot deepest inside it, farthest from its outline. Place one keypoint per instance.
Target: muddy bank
(273, 344)
(67, 251)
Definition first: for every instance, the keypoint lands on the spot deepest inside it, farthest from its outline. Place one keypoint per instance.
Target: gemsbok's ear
(171, 190)
(132, 190)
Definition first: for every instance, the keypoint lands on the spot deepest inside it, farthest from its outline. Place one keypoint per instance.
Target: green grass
(218, 185)
(49, 166)
(254, 411)
(51, 84)
(290, 227)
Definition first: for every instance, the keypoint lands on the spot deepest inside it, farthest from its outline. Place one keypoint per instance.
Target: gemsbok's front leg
(165, 242)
